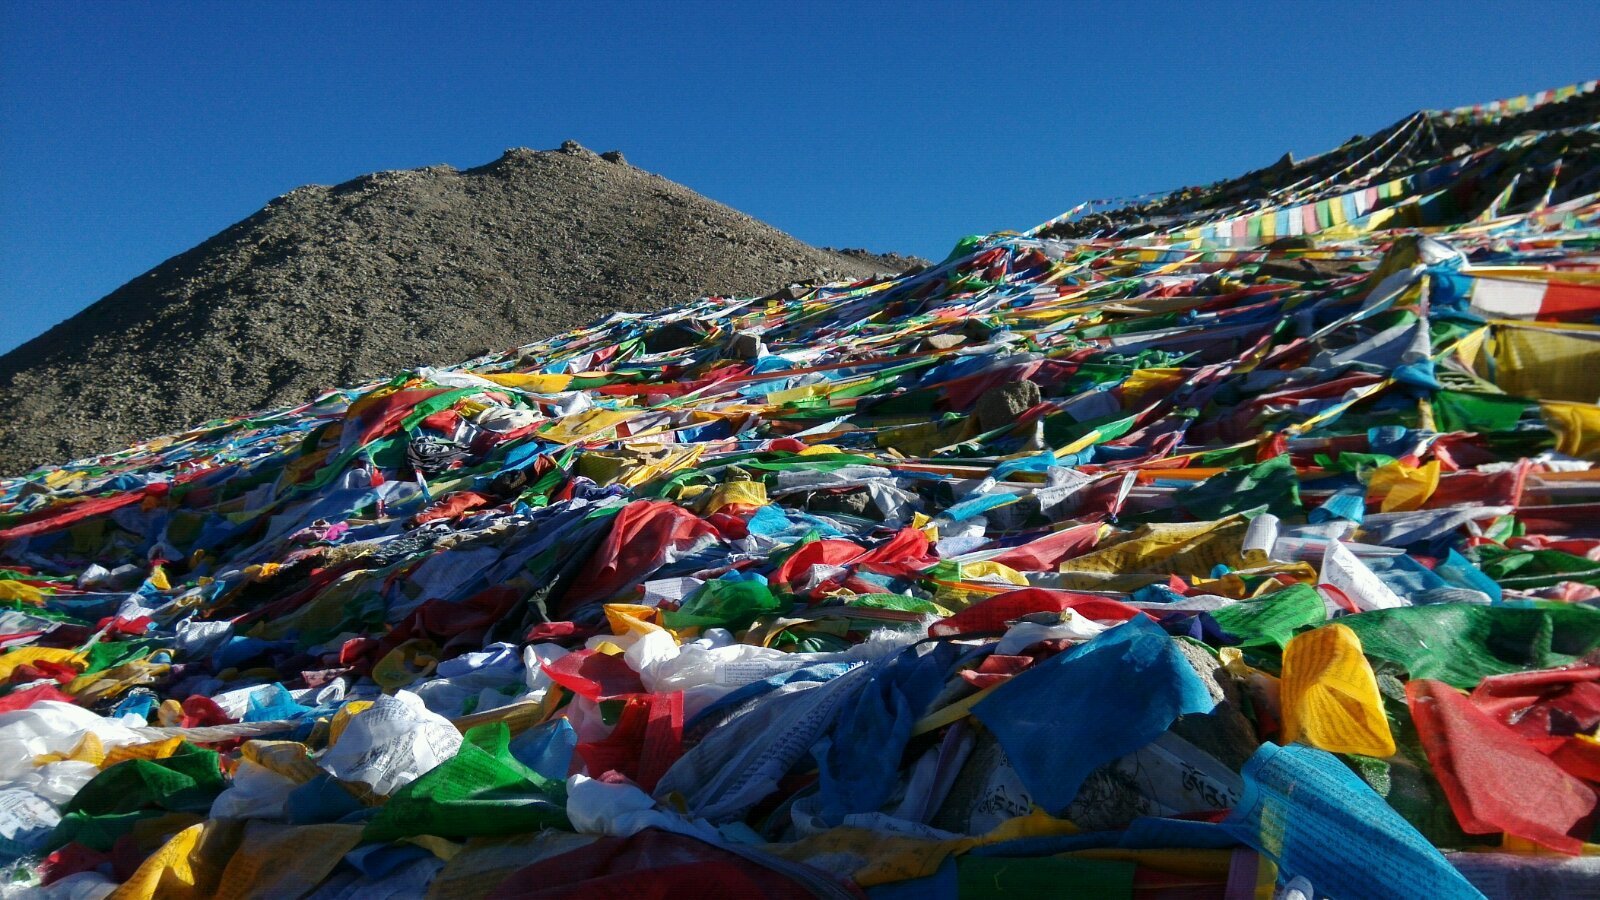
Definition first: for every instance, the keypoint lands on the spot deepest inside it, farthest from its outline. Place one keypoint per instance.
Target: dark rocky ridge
(1438, 138)
(331, 286)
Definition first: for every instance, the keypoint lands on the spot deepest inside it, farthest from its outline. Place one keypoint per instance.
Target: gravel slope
(329, 286)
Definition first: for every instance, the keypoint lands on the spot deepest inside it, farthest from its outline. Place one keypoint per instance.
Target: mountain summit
(329, 286)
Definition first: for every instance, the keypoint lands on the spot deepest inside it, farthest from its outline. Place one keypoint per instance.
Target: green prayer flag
(187, 780)
(1273, 619)
(1271, 483)
(1463, 411)
(731, 603)
(482, 790)
(1461, 644)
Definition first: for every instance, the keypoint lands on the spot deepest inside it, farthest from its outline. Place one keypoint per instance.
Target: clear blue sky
(130, 132)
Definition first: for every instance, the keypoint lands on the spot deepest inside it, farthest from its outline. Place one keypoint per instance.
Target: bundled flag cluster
(1177, 566)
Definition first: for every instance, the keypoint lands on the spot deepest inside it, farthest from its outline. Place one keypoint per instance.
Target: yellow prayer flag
(290, 759)
(149, 750)
(22, 593)
(285, 861)
(1546, 362)
(23, 656)
(1155, 551)
(1330, 696)
(343, 716)
(89, 750)
(533, 383)
(1146, 381)
(406, 663)
(987, 570)
(631, 618)
(585, 424)
(187, 867)
(1403, 488)
(748, 493)
(1577, 427)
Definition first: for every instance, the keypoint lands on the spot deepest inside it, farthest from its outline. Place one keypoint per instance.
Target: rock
(1113, 796)
(1109, 799)
(978, 330)
(1224, 732)
(509, 484)
(1001, 406)
(1303, 269)
(614, 156)
(891, 262)
(987, 792)
(744, 345)
(853, 503)
(943, 341)
(672, 336)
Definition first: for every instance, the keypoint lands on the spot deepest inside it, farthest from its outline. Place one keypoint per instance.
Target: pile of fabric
(1169, 567)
